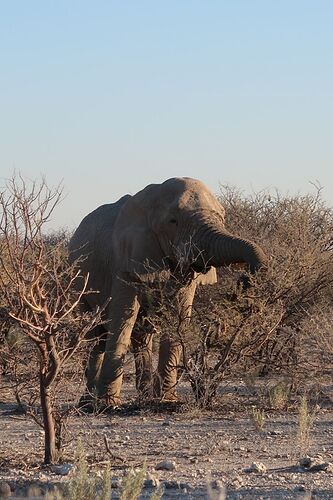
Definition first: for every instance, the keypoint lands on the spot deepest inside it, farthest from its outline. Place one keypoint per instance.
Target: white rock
(275, 433)
(237, 482)
(257, 467)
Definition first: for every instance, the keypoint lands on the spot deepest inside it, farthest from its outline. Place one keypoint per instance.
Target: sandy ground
(215, 447)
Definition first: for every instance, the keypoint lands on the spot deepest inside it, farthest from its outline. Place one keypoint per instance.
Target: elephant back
(91, 245)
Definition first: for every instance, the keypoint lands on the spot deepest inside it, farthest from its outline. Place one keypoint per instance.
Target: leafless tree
(40, 291)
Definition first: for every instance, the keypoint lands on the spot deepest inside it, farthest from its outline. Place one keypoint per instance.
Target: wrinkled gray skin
(176, 222)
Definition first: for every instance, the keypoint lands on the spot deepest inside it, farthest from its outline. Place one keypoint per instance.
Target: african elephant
(139, 238)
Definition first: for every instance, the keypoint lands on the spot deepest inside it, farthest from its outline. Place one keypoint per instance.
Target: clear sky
(110, 96)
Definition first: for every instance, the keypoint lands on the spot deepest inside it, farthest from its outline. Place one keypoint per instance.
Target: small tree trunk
(50, 449)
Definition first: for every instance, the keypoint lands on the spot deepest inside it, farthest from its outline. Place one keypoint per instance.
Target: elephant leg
(171, 350)
(94, 364)
(122, 313)
(169, 359)
(142, 343)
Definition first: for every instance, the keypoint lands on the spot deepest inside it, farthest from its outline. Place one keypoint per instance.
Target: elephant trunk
(222, 248)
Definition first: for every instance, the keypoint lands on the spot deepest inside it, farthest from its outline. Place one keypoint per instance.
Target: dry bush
(297, 234)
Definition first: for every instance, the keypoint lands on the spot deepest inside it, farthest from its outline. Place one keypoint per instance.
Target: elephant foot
(166, 396)
(112, 402)
(164, 393)
(169, 397)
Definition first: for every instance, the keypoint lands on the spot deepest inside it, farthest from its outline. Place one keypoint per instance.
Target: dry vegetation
(40, 293)
(280, 328)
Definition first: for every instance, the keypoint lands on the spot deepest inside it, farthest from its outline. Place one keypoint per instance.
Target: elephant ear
(137, 252)
(206, 279)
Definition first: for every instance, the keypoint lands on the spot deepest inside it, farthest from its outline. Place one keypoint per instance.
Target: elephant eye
(173, 221)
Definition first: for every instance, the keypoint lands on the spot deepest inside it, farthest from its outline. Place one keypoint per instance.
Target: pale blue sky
(112, 95)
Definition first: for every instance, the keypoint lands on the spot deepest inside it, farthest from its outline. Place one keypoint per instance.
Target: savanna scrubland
(256, 368)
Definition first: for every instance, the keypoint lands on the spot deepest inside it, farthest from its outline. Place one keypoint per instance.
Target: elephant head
(179, 222)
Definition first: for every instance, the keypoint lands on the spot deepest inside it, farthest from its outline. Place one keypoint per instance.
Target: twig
(112, 455)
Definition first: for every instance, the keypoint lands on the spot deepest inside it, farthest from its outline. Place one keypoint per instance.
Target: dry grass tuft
(306, 418)
(279, 395)
(258, 417)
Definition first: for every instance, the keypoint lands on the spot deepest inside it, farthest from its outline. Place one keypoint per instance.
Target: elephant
(141, 238)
